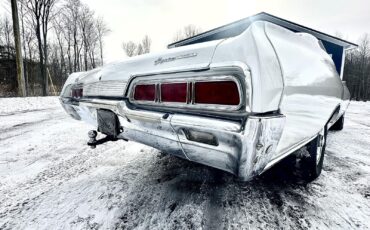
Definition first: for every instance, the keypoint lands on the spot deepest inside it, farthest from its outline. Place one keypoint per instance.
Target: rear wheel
(312, 165)
(338, 125)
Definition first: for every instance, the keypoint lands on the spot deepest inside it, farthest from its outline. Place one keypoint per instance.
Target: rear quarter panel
(312, 87)
(253, 48)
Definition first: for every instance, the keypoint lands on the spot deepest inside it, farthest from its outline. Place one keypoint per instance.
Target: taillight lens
(174, 92)
(77, 92)
(144, 92)
(213, 92)
(217, 92)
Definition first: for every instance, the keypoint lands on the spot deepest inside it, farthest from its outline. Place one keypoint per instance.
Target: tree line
(132, 48)
(58, 37)
(357, 70)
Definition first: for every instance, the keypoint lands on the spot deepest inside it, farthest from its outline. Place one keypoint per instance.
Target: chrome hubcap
(320, 145)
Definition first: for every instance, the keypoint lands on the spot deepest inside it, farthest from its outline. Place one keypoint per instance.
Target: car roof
(237, 27)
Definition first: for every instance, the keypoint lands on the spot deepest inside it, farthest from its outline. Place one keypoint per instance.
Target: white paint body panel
(145, 64)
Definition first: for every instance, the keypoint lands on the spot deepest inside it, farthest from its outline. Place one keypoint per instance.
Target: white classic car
(239, 98)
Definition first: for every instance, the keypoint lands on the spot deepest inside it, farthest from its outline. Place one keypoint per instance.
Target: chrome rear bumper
(241, 149)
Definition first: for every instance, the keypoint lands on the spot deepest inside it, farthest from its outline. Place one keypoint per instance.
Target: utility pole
(18, 50)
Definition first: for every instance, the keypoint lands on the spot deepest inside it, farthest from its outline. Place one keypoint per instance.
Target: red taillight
(174, 92)
(144, 92)
(217, 92)
(213, 92)
(77, 92)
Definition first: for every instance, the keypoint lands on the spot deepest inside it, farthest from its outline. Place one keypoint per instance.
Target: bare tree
(186, 32)
(68, 23)
(191, 30)
(41, 14)
(139, 50)
(60, 35)
(146, 43)
(357, 70)
(22, 14)
(130, 48)
(31, 45)
(86, 25)
(72, 10)
(57, 39)
(7, 32)
(25, 31)
(1, 31)
(68, 36)
(102, 30)
(364, 52)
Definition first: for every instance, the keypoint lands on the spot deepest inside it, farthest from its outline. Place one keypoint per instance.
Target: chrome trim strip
(170, 71)
(192, 93)
(100, 104)
(188, 93)
(342, 64)
(158, 92)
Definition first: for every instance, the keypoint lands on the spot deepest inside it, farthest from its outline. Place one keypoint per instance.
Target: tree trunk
(75, 50)
(45, 76)
(101, 51)
(18, 49)
(41, 59)
(85, 57)
(24, 51)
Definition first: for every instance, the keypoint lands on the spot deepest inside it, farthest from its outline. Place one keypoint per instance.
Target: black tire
(338, 125)
(312, 165)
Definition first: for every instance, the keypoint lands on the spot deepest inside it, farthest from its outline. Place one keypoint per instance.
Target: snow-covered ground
(50, 179)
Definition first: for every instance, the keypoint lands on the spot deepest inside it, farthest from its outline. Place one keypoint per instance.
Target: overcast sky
(160, 19)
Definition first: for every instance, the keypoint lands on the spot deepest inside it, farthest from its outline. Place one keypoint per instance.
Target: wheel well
(334, 114)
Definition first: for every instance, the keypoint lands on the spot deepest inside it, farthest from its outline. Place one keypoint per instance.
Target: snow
(26, 104)
(50, 179)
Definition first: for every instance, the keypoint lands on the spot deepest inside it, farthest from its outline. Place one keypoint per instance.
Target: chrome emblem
(169, 59)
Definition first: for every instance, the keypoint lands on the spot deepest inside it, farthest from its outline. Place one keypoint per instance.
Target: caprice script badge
(169, 59)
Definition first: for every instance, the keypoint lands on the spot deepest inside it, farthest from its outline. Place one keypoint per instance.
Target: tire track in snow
(27, 111)
(28, 124)
(214, 214)
(262, 202)
(41, 184)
